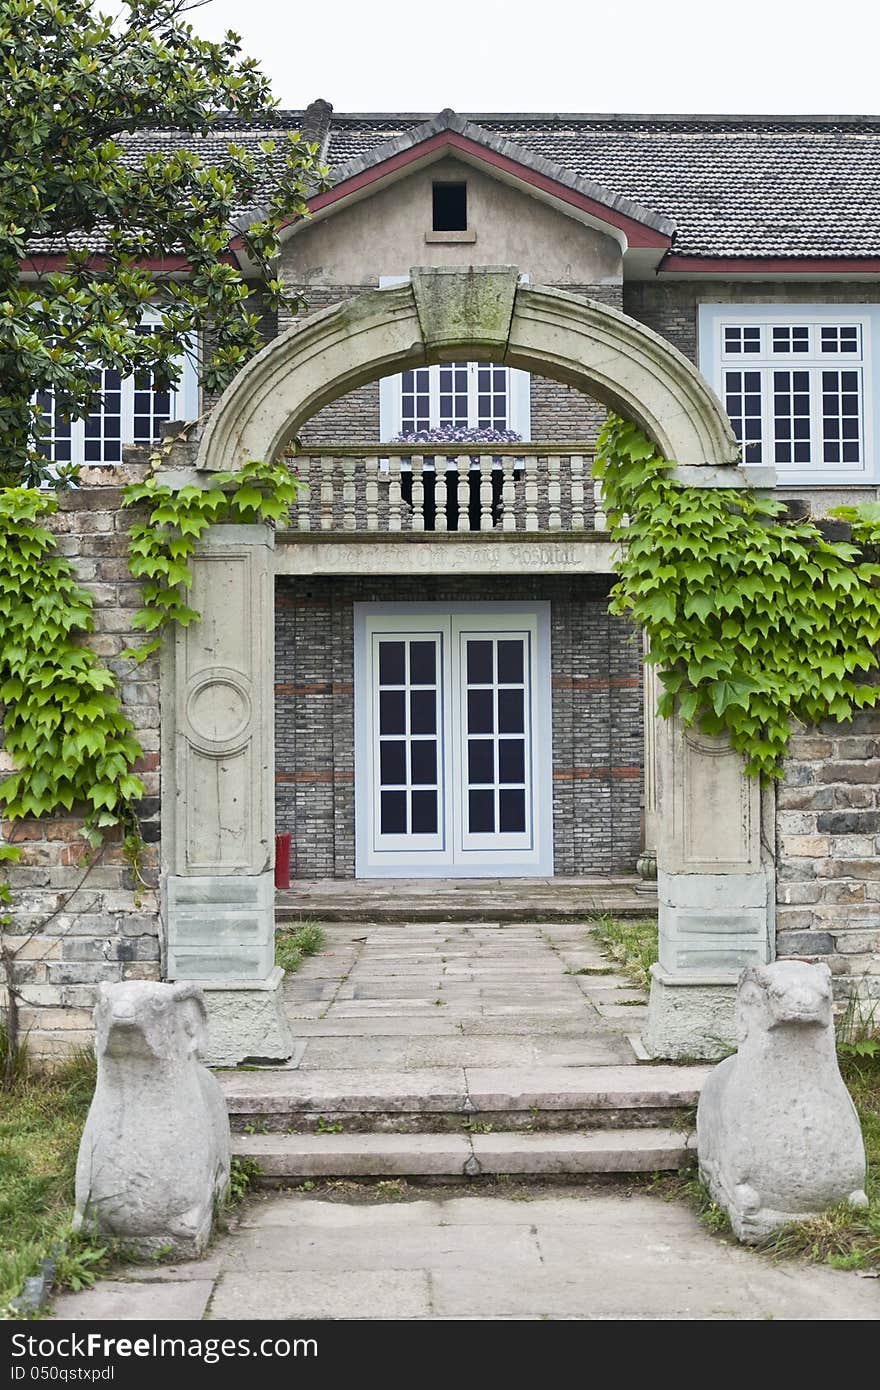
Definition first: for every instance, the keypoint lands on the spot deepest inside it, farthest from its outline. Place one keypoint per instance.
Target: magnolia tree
(82, 215)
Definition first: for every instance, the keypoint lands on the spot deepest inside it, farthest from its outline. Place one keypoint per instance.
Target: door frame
(534, 863)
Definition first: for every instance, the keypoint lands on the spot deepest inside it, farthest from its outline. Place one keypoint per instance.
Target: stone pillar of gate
(646, 864)
(715, 890)
(218, 797)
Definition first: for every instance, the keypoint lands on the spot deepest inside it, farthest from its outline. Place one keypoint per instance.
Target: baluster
(484, 466)
(600, 520)
(554, 494)
(395, 497)
(302, 470)
(418, 492)
(328, 469)
(349, 495)
(508, 495)
(531, 492)
(441, 492)
(576, 465)
(371, 493)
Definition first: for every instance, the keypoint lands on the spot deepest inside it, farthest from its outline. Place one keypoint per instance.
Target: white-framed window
(129, 411)
(796, 383)
(465, 395)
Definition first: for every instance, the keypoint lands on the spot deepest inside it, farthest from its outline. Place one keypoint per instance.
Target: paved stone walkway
(570, 1254)
(481, 994)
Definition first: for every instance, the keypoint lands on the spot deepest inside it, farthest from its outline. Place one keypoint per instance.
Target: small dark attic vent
(450, 207)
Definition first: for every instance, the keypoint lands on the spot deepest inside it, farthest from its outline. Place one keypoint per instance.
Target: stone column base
(691, 1016)
(246, 1021)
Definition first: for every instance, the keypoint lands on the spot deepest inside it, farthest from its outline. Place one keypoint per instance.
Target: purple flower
(452, 434)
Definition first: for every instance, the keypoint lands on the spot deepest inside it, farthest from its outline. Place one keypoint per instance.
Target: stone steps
(286, 1158)
(455, 1122)
(414, 901)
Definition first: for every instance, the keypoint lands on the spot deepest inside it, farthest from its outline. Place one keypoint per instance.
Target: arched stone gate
(715, 881)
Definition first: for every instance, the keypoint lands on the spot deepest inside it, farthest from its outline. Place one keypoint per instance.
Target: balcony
(514, 488)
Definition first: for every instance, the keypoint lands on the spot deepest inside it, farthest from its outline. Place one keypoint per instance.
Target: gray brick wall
(597, 716)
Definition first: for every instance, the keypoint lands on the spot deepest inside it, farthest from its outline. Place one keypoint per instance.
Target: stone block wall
(597, 716)
(828, 851)
(89, 924)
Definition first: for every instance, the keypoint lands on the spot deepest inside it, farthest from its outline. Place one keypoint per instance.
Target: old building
(450, 695)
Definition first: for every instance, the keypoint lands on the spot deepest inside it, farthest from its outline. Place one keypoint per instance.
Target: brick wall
(827, 842)
(597, 716)
(90, 925)
(671, 308)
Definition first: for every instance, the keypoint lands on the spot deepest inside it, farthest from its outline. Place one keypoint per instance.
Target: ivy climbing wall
(77, 916)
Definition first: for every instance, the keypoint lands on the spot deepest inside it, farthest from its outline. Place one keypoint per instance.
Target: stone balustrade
(513, 488)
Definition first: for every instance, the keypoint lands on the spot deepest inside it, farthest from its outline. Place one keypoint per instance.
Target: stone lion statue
(155, 1152)
(778, 1138)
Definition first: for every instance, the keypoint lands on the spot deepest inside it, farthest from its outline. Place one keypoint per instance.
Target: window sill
(433, 238)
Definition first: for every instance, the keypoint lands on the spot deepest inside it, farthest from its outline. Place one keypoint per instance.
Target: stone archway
(482, 313)
(714, 881)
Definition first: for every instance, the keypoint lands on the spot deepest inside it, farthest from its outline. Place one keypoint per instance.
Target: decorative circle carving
(218, 710)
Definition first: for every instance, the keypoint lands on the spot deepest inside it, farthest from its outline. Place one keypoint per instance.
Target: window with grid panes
(795, 391)
(129, 410)
(466, 395)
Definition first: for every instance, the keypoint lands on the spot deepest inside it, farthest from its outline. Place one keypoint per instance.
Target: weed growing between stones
(292, 946)
(632, 944)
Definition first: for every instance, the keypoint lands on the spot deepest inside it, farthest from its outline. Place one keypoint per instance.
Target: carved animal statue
(154, 1156)
(778, 1137)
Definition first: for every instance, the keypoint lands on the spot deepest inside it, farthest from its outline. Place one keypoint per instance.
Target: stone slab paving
(571, 1253)
(445, 994)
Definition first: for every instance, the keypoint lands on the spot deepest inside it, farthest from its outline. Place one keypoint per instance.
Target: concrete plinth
(691, 1016)
(246, 1021)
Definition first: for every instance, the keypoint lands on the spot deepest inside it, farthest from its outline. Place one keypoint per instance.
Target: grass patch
(294, 944)
(41, 1121)
(632, 944)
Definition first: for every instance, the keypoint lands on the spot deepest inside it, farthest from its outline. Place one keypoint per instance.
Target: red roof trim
(46, 264)
(637, 233)
(774, 265)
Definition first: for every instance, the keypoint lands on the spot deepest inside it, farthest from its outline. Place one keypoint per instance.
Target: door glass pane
(481, 712)
(479, 663)
(511, 711)
(423, 761)
(481, 812)
(392, 663)
(393, 813)
(392, 762)
(510, 663)
(422, 663)
(392, 712)
(511, 760)
(481, 760)
(512, 811)
(424, 813)
(423, 712)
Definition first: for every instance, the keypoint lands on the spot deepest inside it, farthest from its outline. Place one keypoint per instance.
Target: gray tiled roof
(733, 186)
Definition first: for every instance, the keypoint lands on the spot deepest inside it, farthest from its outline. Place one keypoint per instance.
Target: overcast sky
(773, 56)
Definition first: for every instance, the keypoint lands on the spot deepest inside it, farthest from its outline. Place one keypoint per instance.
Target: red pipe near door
(282, 861)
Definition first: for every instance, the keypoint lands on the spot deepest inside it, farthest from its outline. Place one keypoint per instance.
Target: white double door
(452, 766)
